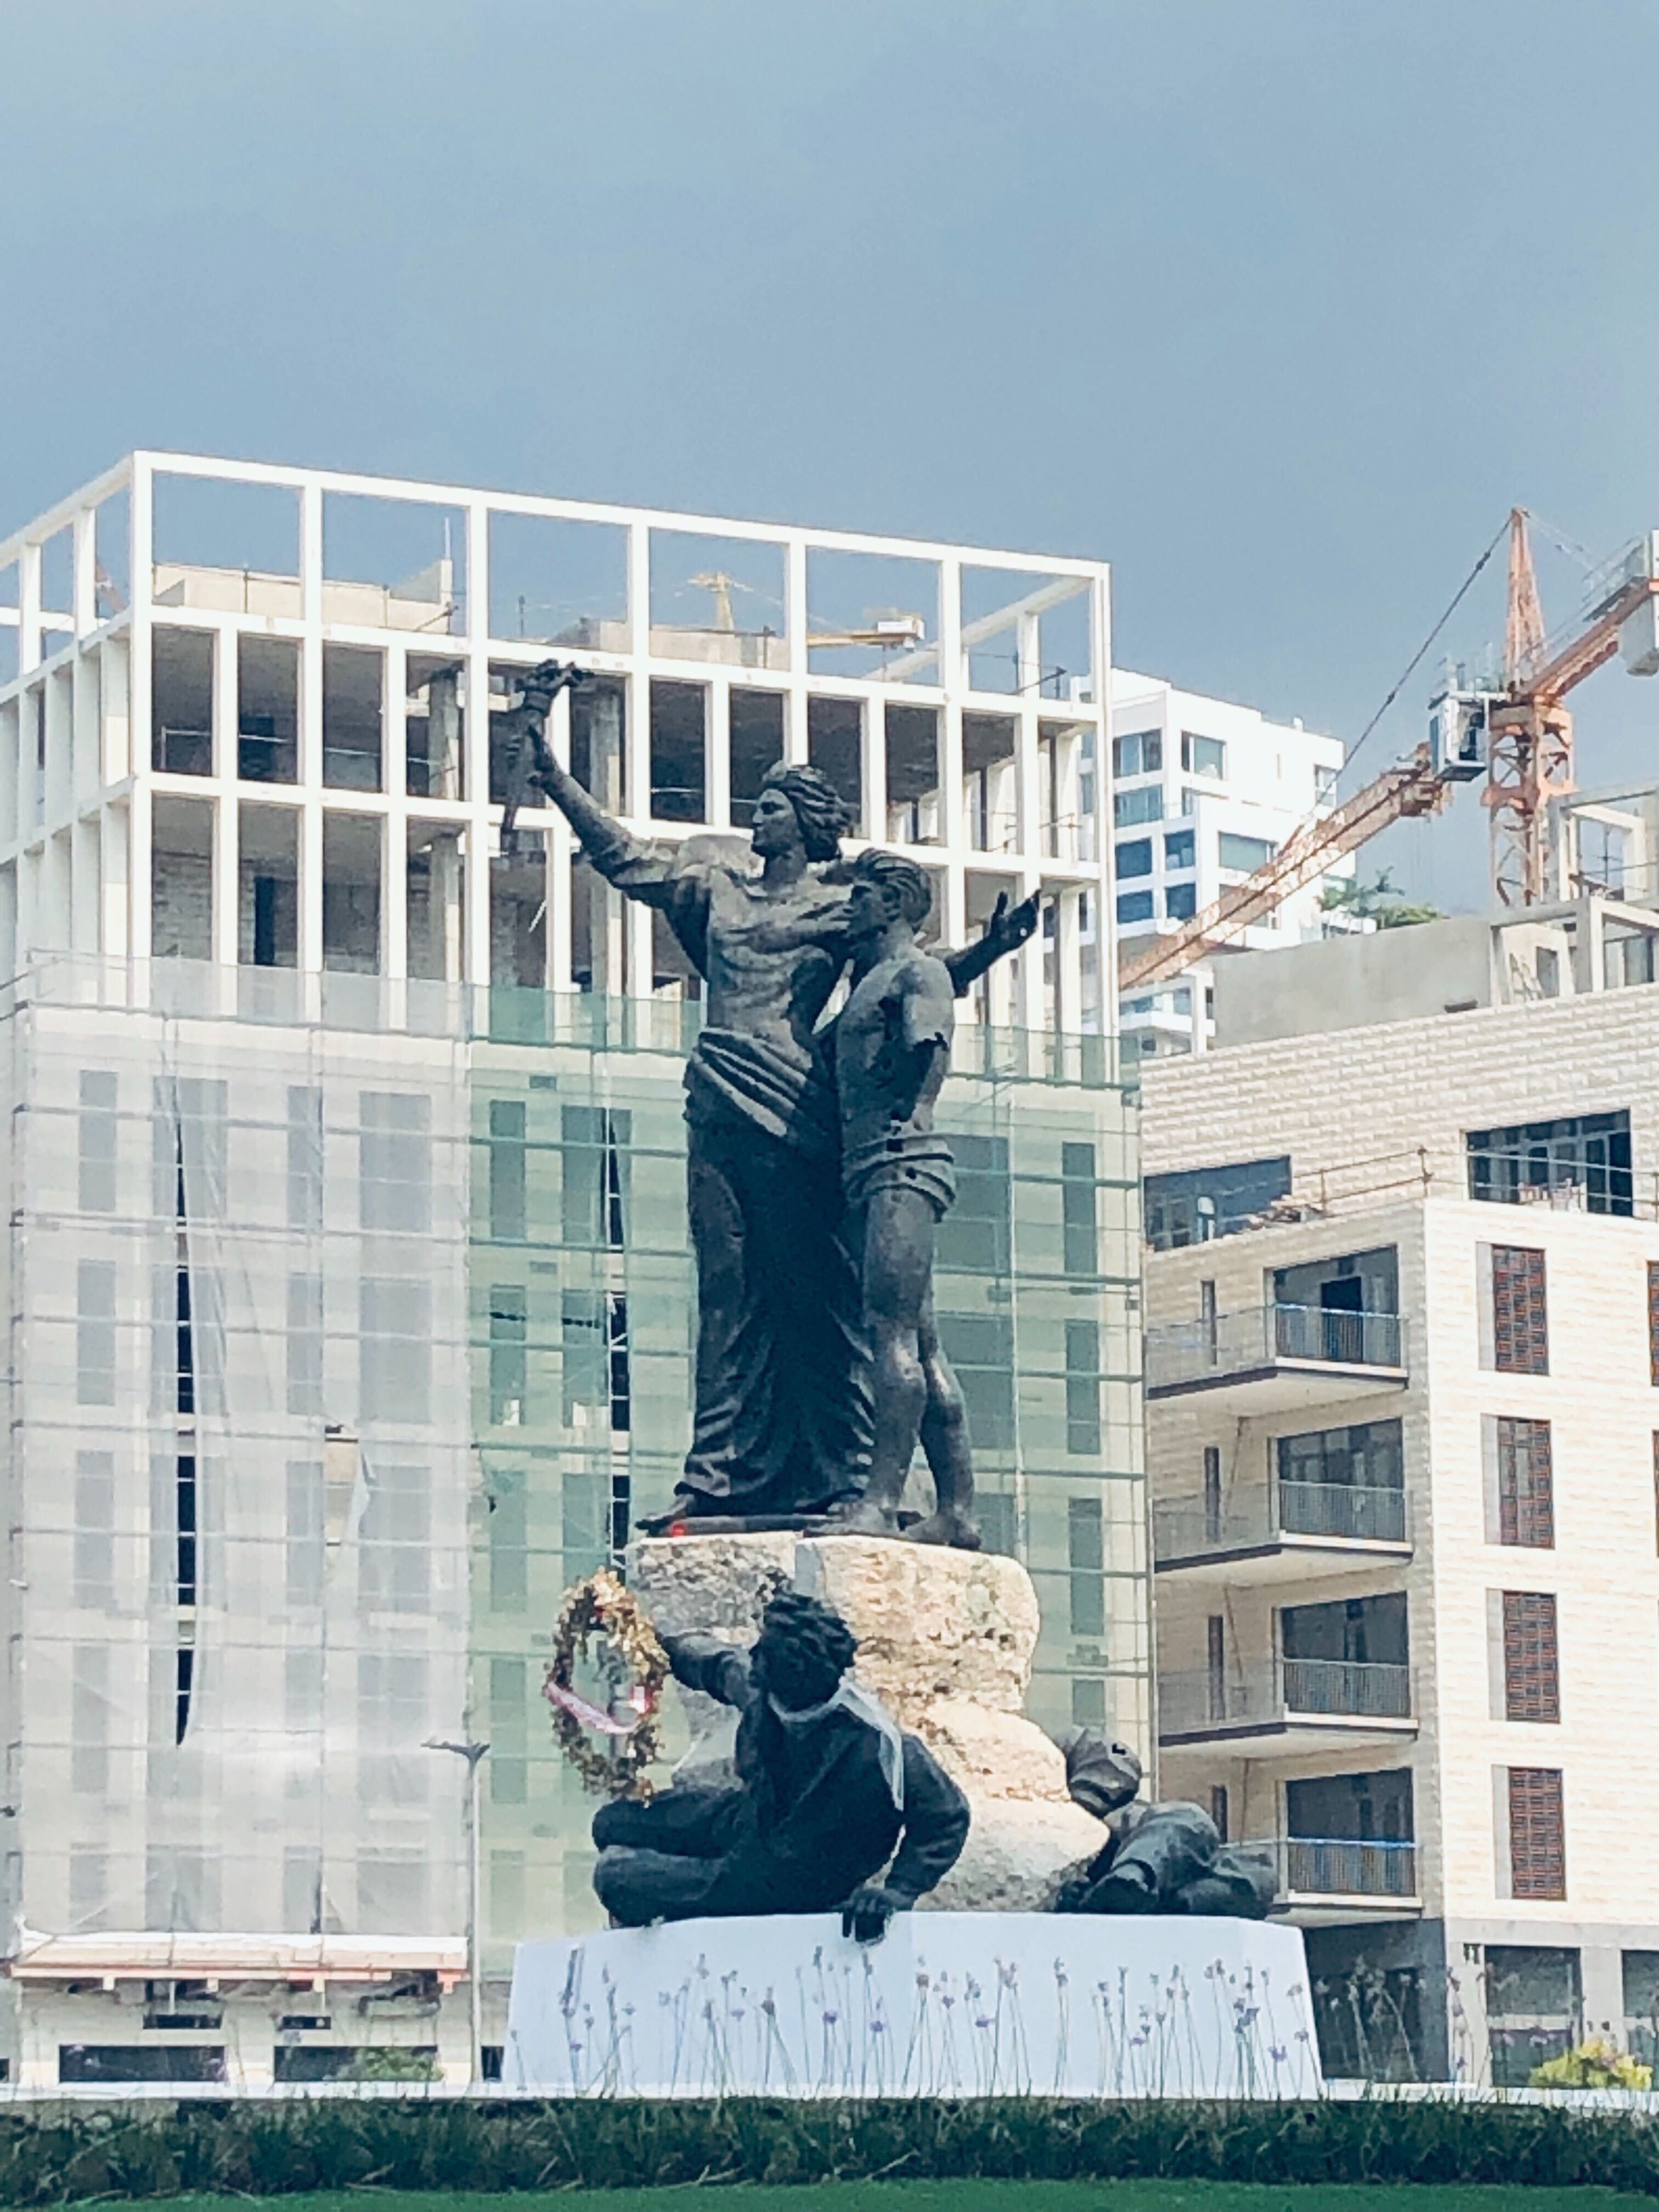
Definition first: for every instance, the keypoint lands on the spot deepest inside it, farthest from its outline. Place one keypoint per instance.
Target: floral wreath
(602, 1607)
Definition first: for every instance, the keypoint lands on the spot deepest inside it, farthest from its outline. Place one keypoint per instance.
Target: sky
(1277, 305)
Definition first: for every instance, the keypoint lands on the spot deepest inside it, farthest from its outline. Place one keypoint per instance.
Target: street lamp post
(473, 1754)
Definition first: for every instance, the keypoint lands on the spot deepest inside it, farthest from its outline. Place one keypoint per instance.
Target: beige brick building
(1403, 1437)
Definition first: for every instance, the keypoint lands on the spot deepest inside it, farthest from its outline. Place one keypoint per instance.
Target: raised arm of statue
(1007, 929)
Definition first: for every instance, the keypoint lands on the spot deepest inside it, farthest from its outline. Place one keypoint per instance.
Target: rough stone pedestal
(946, 1641)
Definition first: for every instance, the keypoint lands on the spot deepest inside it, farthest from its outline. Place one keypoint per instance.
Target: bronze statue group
(816, 1183)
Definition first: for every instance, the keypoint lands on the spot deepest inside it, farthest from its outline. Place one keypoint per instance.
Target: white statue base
(949, 2004)
(946, 1641)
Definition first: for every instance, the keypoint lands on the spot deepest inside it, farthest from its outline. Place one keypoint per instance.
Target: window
(1086, 1556)
(1586, 1154)
(1134, 858)
(1178, 849)
(509, 1544)
(1144, 805)
(509, 1357)
(305, 1347)
(94, 1529)
(1080, 1251)
(1538, 1847)
(302, 1889)
(1520, 1315)
(1324, 783)
(1534, 2005)
(1082, 1388)
(89, 1887)
(1139, 753)
(981, 1348)
(1134, 906)
(396, 1541)
(89, 1718)
(976, 1236)
(594, 1146)
(1197, 1203)
(1181, 902)
(392, 1890)
(97, 1141)
(1203, 756)
(305, 1531)
(94, 1333)
(1532, 1684)
(1247, 854)
(392, 1761)
(506, 1169)
(395, 1160)
(394, 1351)
(1526, 1483)
(305, 1157)
(508, 1773)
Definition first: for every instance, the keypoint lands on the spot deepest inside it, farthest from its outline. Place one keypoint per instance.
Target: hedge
(53, 2153)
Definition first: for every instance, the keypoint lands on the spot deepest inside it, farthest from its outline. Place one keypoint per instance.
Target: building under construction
(350, 1296)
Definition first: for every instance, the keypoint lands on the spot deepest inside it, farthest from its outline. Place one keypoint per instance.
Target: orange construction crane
(1530, 731)
(1519, 738)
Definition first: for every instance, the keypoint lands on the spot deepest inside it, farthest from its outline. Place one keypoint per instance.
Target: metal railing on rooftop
(1261, 1336)
(505, 1013)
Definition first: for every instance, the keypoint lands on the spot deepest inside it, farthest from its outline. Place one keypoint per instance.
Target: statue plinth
(946, 1639)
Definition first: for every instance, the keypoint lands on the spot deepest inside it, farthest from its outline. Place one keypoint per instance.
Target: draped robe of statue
(782, 1420)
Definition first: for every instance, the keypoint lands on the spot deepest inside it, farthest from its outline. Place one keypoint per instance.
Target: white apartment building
(350, 1302)
(1204, 792)
(1402, 1381)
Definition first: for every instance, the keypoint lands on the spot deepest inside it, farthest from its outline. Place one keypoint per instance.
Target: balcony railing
(1199, 1702)
(1261, 1337)
(1328, 1866)
(1188, 1528)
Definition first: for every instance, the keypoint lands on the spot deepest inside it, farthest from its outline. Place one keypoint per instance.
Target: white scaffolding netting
(241, 1425)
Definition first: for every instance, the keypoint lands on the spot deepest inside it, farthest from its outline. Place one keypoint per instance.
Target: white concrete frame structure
(78, 791)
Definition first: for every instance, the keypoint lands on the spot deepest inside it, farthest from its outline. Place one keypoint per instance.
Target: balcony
(1285, 1530)
(1276, 1358)
(1341, 1879)
(1292, 1705)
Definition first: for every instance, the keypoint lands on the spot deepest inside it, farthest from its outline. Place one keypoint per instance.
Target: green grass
(964, 2197)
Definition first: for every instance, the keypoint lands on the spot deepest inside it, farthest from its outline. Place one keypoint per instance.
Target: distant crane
(1519, 737)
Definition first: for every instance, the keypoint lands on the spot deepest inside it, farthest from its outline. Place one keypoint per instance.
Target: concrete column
(86, 889)
(114, 888)
(86, 703)
(872, 769)
(138, 871)
(796, 658)
(114, 761)
(226, 877)
(394, 769)
(717, 754)
(85, 571)
(28, 607)
(561, 845)
(1068, 968)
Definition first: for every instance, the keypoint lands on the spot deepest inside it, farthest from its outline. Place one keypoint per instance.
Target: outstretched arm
(701, 1662)
(1005, 932)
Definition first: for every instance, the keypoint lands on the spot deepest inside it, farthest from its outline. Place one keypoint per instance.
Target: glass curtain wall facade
(338, 1353)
